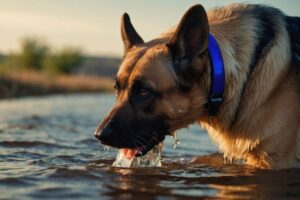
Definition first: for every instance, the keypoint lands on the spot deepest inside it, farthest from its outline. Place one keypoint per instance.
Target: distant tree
(11, 61)
(33, 52)
(64, 61)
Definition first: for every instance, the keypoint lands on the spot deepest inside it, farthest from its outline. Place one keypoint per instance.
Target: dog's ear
(189, 40)
(191, 36)
(129, 35)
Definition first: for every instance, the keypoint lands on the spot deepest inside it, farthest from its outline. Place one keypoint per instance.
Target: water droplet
(106, 148)
(176, 141)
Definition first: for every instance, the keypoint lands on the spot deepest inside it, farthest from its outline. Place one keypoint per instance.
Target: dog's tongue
(129, 153)
(125, 157)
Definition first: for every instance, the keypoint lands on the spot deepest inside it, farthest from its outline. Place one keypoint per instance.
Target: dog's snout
(103, 128)
(97, 133)
(104, 134)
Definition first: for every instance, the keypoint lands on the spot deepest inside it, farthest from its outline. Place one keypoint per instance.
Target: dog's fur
(259, 120)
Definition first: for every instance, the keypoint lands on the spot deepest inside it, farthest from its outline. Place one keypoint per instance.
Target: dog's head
(161, 85)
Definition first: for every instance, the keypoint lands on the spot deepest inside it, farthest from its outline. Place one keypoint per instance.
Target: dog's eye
(116, 87)
(116, 90)
(143, 94)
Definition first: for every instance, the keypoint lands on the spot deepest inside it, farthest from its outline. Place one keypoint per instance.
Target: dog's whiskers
(152, 136)
(139, 142)
(142, 139)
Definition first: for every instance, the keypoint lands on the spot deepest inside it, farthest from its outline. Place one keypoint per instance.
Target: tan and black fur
(163, 85)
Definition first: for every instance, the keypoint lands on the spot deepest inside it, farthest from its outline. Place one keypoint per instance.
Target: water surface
(47, 150)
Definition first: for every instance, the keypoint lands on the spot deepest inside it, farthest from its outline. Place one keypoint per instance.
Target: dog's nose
(97, 133)
(103, 134)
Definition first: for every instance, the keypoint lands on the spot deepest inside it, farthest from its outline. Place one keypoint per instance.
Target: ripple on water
(15, 182)
(27, 144)
(74, 173)
(48, 151)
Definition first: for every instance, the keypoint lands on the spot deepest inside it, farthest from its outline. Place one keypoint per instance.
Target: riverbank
(34, 83)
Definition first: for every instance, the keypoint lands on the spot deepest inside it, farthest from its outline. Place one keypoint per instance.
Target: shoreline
(50, 95)
(31, 83)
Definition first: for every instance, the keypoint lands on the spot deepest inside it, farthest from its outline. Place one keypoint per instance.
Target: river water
(47, 150)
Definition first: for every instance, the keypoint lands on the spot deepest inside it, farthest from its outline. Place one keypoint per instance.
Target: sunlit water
(48, 150)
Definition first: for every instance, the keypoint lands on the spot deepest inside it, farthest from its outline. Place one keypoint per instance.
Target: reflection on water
(48, 150)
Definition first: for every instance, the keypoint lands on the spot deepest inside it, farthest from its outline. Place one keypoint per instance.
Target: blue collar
(215, 98)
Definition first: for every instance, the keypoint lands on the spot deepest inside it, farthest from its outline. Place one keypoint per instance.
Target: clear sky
(93, 25)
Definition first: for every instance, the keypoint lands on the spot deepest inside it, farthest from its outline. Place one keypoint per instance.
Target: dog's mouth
(130, 153)
(132, 157)
(137, 148)
(142, 150)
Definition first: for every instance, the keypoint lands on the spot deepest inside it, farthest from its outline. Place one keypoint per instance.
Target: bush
(33, 52)
(63, 62)
(36, 55)
(9, 62)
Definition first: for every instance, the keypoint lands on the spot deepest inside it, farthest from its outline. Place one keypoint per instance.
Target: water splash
(151, 159)
(122, 160)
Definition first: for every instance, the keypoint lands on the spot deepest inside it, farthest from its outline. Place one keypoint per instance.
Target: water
(151, 159)
(47, 150)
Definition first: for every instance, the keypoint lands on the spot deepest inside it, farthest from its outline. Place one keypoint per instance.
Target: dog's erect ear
(129, 35)
(190, 39)
(191, 35)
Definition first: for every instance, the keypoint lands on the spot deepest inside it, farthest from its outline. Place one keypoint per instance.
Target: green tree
(33, 52)
(64, 61)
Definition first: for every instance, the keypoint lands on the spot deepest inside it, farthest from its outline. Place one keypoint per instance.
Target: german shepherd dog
(166, 84)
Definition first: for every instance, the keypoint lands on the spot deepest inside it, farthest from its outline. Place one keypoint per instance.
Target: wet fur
(259, 119)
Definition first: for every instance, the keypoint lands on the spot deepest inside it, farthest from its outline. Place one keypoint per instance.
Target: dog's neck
(236, 49)
(225, 114)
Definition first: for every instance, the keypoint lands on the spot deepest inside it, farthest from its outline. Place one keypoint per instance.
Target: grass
(16, 83)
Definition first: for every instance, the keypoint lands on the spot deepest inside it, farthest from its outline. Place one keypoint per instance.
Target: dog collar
(215, 98)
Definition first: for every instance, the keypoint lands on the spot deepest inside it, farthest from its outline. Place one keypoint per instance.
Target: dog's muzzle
(104, 134)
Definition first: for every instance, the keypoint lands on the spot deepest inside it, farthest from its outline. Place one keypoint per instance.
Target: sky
(94, 25)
